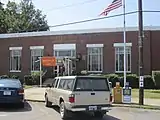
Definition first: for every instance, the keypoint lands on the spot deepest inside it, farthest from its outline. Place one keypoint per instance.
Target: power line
(151, 11)
(95, 19)
(72, 5)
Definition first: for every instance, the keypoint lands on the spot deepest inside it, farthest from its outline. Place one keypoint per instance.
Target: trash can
(117, 93)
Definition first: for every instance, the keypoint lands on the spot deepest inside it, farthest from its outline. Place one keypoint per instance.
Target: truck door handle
(92, 93)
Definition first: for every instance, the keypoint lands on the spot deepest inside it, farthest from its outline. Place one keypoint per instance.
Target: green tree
(23, 17)
(3, 26)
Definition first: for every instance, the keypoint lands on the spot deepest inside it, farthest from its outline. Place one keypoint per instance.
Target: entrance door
(68, 66)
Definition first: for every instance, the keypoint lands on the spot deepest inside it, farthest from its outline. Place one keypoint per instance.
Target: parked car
(11, 91)
(79, 94)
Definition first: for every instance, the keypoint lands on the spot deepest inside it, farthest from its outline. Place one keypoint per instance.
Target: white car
(79, 94)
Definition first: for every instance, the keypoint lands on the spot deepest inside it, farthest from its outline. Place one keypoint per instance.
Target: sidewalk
(154, 102)
(37, 94)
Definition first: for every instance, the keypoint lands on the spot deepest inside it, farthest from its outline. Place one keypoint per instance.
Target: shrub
(133, 80)
(15, 77)
(149, 82)
(157, 79)
(28, 80)
(121, 80)
(113, 78)
(36, 79)
(4, 76)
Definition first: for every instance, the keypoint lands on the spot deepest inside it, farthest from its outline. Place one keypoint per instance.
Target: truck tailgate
(92, 98)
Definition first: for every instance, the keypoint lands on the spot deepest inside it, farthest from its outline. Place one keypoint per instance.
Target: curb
(31, 100)
(116, 105)
(151, 107)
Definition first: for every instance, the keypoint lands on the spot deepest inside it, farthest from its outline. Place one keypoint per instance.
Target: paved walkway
(37, 94)
(154, 102)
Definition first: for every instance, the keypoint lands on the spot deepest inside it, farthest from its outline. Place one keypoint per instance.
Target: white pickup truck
(79, 93)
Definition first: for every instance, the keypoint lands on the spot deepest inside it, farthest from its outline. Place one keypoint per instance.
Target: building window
(36, 53)
(15, 59)
(64, 53)
(119, 61)
(95, 58)
(64, 50)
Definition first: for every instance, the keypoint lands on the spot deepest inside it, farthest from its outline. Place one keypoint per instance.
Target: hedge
(15, 77)
(33, 79)
(132, 79)
(113, 78)
(4, 76)
(149, 83)
(28, 80)
(9, 76)
(156, 77)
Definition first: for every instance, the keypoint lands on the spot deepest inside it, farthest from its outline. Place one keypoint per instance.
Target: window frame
(53, 82)
(71, 52)
(35, 48)
(11, 49)
(100, 57)
(76, 81)
(65, 82)
(121, 45)
(64, 47)
(61, 87)
(57, 81)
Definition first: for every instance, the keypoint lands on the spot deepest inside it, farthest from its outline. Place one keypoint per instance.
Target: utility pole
(141, 76)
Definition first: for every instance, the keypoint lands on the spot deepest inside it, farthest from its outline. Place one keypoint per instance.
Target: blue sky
(92, 10)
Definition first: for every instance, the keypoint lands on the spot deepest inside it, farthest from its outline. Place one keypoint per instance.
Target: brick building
(101, 50)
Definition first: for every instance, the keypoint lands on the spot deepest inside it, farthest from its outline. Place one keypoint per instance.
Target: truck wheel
(98, 114)
(63, 111)
(47, 103)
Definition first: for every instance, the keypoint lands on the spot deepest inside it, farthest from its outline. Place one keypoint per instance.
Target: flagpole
(124, 40)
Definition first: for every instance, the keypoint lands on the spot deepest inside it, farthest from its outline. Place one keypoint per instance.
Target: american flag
(114, 5)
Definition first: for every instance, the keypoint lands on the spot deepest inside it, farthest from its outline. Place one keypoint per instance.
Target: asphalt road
(37, 111)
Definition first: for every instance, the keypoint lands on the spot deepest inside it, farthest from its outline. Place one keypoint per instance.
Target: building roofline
(83, 31)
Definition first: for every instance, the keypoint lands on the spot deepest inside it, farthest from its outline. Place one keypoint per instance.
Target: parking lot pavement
(37, 111)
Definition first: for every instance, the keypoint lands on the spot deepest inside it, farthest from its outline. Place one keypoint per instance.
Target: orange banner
(48, 61)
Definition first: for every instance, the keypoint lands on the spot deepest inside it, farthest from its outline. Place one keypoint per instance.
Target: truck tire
(47, 103)
(63, 111)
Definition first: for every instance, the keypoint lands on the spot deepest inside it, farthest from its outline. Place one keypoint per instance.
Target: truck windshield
(91, 84)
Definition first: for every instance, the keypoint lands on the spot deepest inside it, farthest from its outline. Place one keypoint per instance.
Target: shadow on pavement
(84, 116)
(56, 108)
(15, 108)
(108, 117)
(89, 117)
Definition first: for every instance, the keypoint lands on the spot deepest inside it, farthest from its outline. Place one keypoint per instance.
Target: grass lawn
(153, 94)
(27, 86)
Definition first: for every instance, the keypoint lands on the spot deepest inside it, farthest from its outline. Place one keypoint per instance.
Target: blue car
(11, 91)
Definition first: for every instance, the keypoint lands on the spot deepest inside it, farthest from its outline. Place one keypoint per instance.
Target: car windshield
(10, 83)
(91, 84)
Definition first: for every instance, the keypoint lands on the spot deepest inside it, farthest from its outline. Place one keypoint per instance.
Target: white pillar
(40, 72)
(124, 40)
